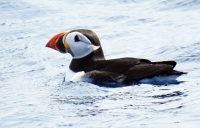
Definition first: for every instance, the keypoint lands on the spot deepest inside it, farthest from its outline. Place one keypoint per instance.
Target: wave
(167, 4)
(188, 53)
(185, 4)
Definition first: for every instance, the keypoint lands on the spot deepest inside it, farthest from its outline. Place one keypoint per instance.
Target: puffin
(89, 64)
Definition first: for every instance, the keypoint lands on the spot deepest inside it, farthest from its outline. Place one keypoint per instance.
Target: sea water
(32, 88)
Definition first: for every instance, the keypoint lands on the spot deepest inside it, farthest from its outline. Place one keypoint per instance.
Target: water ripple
(33, 93)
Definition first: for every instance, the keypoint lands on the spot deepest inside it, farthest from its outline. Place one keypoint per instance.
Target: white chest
(74, 76)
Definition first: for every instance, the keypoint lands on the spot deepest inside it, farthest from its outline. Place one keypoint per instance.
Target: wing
(172, 63)
(134, 69)
(118, 66)
(103, 77)
(142, 71)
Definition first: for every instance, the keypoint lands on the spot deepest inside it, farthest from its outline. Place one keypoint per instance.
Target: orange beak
(53, 40)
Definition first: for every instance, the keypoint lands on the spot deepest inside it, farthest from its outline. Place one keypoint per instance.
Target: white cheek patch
(80, 48)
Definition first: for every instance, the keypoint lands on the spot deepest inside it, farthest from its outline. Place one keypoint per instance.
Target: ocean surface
(32, 91)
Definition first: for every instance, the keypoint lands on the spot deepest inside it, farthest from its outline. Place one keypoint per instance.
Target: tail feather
(172, 63)
(173, 72)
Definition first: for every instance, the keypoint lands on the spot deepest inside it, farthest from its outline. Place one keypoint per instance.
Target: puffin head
(73, 42)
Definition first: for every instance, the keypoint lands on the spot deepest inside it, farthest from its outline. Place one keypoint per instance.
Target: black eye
(76, 38)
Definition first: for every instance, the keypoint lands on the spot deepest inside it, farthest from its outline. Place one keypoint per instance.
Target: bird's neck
(77, 65)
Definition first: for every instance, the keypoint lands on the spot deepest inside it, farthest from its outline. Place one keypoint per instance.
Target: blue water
(32, 92)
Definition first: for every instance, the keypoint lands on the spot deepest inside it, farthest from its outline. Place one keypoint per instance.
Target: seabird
(88, 59)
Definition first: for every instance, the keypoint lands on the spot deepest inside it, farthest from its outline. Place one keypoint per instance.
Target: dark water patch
(167, 101)
(181, 4)
(84, 112)
(173, 94)
(126, 1)
(146, 20)
(119, 85)
(142, 21)
(117, 18)
(3, 24)
(19, 38)
(78, 100)
(91, 100)
(152, 83)
(89, 112)
(170, 109)
(85, 106)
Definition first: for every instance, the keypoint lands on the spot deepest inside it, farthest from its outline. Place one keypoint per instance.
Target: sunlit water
(32, 91)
